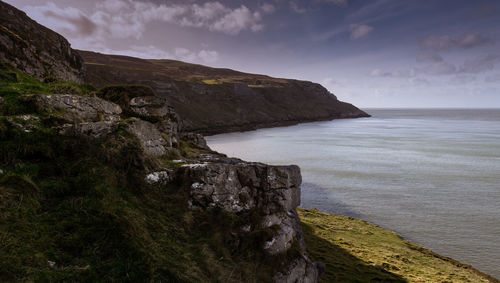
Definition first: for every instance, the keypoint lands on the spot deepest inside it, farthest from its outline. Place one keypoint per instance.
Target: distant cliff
(212, 100)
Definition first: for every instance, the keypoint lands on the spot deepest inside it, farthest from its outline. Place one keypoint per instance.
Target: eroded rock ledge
(263, 197)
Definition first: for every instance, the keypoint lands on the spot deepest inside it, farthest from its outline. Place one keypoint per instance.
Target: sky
(378, 53)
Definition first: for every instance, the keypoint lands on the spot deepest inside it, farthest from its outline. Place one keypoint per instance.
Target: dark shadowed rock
(35, 49)
(142, 102)
(92, 129)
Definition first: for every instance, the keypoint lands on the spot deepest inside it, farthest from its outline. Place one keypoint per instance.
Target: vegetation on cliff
(357, 251)
(79, 208)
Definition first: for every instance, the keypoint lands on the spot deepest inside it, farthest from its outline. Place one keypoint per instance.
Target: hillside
(357, 251)
(212, 100)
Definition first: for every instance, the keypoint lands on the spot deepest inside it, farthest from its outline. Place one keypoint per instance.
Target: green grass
(357, 251)
(14, 82)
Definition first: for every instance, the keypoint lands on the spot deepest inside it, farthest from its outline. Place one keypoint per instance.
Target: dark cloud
(82, 24)
(429, 57)
(341, 3)
(480, 64)
(446, 42)
(483, 11)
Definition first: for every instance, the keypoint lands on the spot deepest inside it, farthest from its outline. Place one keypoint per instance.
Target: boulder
(151, 139)
(141, 101)
(77, 108)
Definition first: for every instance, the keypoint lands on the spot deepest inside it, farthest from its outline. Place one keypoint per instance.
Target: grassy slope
(355, 250)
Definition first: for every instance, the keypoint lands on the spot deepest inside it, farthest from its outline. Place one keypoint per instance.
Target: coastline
(273, 124)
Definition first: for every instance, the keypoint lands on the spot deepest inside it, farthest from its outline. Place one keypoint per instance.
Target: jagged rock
(273, 192)
(151, 139)
(196, 139)
(141, 101)
(79, 108)
(91, 129)
(149, 106)
(160, 177)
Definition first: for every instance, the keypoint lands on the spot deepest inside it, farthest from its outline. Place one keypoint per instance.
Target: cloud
(379, 73)
(359, 31)
(83, 25)
(267, 8)
(480, 64)
(440, 68)
(493, 78)
(153, 52)
(410, 73)
(463, 79)
(208, 56)
(429, 57)
(295, 8)
(418, 81)
(446, 42)
(125, 18)
(237, 20)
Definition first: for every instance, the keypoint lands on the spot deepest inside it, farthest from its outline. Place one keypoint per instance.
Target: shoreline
(268, 125)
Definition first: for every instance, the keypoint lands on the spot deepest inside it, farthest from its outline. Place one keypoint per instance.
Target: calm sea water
(431, 175)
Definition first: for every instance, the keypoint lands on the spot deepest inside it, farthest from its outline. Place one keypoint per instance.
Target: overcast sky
(380, 53)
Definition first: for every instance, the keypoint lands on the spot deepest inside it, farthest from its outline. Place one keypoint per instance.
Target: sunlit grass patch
(354, 249)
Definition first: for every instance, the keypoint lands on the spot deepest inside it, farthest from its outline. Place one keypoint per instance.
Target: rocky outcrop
(272, 192)
(142, 102)
(35, 49)
(79, 108)
(150, 137)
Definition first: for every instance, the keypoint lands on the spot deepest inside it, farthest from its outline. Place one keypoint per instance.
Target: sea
(431, 175)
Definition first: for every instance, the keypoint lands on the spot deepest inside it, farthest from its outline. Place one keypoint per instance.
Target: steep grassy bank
(357, 251)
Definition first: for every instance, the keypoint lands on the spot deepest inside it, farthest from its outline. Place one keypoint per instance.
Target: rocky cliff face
(35, 49)
(211, 100)
(262, 198)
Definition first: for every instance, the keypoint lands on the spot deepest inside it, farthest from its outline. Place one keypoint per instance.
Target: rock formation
(35, 49)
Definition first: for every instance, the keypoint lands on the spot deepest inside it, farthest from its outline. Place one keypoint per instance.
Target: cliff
(35, 49)
(93, 189)
(212, 100)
